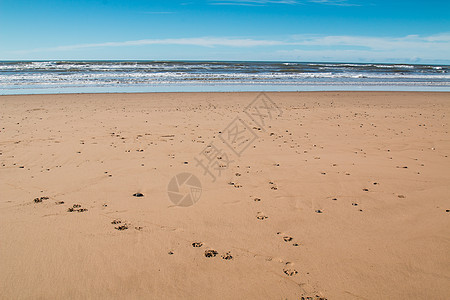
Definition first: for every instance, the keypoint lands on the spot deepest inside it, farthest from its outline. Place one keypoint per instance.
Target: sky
(227, 30)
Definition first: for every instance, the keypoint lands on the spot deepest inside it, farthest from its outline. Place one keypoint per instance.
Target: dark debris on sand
(39, 200)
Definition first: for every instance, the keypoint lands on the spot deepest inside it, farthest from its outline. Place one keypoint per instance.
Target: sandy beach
(321, 195)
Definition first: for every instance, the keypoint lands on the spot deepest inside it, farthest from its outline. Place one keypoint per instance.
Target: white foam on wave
(50, 73)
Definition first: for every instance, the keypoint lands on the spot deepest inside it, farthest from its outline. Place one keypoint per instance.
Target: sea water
(37, 77)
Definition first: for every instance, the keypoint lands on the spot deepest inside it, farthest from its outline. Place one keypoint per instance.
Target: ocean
(39, 77)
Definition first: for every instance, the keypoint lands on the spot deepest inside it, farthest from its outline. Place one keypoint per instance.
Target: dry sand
(345, 195)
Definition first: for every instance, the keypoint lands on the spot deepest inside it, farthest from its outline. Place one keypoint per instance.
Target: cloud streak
(429, 47)
(281, 2)
(378, 43)
(158, 12)
(411, 48)
(253, 2)
(202, 42)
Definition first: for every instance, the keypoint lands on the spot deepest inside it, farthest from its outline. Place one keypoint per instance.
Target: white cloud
(288, 2)
(252, 2)
(412, 48)
(157, 12)
(202, 41)
(439, 41)
(334, 2)
(303, 47)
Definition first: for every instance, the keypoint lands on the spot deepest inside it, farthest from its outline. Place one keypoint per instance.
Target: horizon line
(212, 61)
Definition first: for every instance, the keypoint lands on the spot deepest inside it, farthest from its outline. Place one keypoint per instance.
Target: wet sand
(333, 195)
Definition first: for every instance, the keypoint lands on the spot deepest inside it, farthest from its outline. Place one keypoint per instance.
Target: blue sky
(284, 30)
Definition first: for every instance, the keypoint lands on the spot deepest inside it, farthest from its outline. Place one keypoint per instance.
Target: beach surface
(332, 195)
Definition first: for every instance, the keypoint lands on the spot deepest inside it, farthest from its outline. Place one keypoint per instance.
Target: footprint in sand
(261, 216)
(122, 227)
(39, 200)
(289, 270)
(227, 256)
(197, 244)
(236, 185)
(211, 253)
(76, 208)
(273, 185)
(287, 238)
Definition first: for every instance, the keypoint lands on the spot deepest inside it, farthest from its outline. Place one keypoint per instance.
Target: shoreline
(224, 89)
(228, 92)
